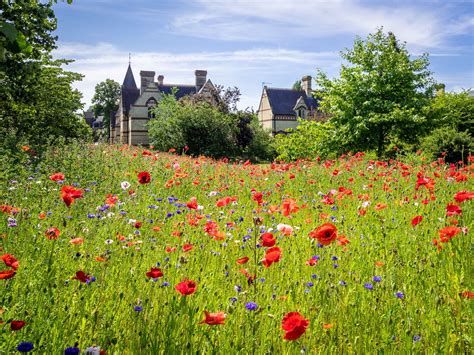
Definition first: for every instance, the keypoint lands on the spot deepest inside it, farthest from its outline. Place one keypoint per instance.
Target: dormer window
(151, 104)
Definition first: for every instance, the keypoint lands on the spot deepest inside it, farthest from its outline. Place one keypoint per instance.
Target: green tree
(379, 95)
(38, 105)
(450, 126)
(297, 85)
(106, 100)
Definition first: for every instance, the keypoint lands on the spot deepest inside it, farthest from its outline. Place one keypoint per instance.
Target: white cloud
(246, 69)
(420, 25)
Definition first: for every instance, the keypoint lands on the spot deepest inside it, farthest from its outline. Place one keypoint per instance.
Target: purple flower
(334, 258)
(233, 299)
(238, 288)
(416, 338)
(399, 295)
(335, 266)
(310, 284)
(25, 347)
(368, 286)
(377, 278)
(72, 351)
(342, 283)
(138, 308)
(251, 306)
(314, 276)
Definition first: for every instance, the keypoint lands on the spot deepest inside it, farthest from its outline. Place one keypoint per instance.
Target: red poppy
(223, 201)
(10, 261)
(192, 204)
(258, 197)
(82, 276)
(17, 324)
(272, 255)
(467, 295)
(186, 287)
(213, 318)
(294, 325)
(342, 240)
(452, 210)
(154, 273)
(289, 206)
(416, 220)
(312, 262)
(52, 233)
(6, 274)
(187, 247)
(57, 177)
(463, 196)
(268, 240)
(69, 194)
(144, 177)
(325, 233)
(446, 233)
(243, 260)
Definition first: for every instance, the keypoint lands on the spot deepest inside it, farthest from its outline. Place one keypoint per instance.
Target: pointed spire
(129, 81)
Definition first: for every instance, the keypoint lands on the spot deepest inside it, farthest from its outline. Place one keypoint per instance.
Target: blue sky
(244, 43)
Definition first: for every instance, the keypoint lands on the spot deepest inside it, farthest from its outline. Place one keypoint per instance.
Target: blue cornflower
(342, 283)
(262, 279)
(138, 308)
(238, 288)
(319, 245)
(335, 266)
(377, 278)
(90, 215)
(251, 306)
(25, 347)
(368, 286)
(314, 276)
(233, 299)
(416, 338)
(165, 284)
(334, 258)
(399, 295)
(72, 351)
(307, 290)
(334, 208)
(310, 284)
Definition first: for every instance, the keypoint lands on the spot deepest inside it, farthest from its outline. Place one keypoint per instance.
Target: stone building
(279, 108)
(129, 124)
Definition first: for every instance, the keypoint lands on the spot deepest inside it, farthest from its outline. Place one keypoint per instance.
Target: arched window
(151, 104)
(302, 112)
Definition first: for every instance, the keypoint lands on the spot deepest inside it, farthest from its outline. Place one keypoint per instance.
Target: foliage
(37, 102)
(385, 287)
(309, 140)
(449, 129)
(379, 95)
(297, 85)
(105, 101)
(201, 129)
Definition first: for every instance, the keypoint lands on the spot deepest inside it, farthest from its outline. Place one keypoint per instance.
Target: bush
(309, 140)
(201, 129)
(449, 143)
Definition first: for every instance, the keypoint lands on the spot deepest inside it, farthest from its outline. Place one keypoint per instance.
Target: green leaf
(9, 31)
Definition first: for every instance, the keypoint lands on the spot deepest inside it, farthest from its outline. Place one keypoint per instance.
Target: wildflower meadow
(123, 250)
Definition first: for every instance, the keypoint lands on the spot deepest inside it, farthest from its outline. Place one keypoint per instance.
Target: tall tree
(106, 100)
(379, 95)
(38, 105)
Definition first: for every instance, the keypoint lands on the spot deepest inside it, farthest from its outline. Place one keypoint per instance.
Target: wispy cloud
(419, 24)
(246, 69)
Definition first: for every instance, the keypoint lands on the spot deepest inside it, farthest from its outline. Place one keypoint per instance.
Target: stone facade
(129, 123)
(279, 108)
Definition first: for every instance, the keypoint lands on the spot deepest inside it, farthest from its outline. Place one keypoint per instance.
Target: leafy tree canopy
(379, 95)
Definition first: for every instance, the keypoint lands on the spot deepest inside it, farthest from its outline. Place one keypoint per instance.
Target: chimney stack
(160, 80)
(146, 78)
(306, 85)
(200, 78)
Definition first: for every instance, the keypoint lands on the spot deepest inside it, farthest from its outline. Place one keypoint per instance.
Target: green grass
(61, 311)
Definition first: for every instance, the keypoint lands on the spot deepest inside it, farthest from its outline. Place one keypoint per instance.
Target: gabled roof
(283, 101)
(129, 80)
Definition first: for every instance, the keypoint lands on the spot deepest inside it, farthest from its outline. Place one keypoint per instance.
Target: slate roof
(282, 101)
(130, 92)
(129, 80)
(183, 90)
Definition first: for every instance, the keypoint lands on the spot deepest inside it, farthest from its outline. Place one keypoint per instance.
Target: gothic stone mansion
(129, 124)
